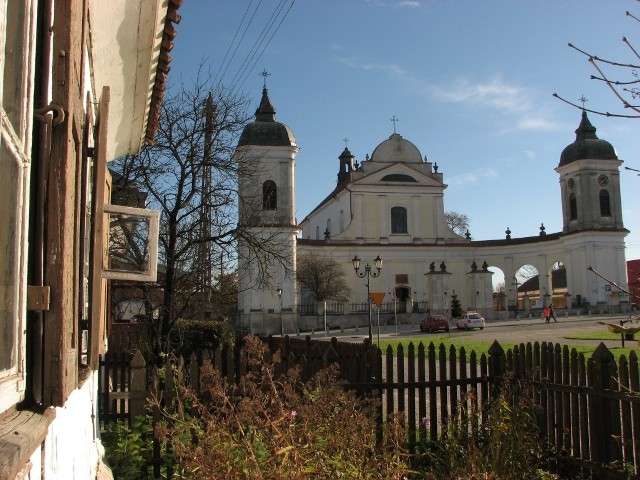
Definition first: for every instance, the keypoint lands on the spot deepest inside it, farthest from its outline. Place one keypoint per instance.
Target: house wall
(57, 135)
(72, 448)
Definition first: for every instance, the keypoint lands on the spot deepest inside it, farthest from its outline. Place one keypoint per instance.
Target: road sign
(377, 298)
(607, 288)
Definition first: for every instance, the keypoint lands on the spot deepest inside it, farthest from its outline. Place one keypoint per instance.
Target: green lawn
(483, 347)
(599, 335)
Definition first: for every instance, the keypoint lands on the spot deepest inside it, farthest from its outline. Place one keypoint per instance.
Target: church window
(269, 195)
(573, 207)
(398, 177)
(605, 204)
(399, 220)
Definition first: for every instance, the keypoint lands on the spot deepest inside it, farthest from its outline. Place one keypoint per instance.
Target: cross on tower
(583, 100)
(264, 74)
(346, 142)
(394, 120)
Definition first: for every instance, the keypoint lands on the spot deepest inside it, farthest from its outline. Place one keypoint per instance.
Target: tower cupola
(587, 145)
(265, 130)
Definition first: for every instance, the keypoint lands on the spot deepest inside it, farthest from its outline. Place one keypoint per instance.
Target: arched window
(398, 220)
(573, 207)
(269, 195)
(605, 204)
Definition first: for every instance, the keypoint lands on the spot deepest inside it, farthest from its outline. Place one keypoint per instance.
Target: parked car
(470, 320)
(433, 323)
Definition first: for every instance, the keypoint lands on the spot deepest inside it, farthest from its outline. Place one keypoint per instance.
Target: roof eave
(130, 55)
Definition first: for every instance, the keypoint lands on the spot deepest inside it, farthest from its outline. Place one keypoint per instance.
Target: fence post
(138, 385)
(603, 429)
(497, 366)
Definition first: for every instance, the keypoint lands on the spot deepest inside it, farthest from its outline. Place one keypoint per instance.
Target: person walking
(551, 314)
(546, 313)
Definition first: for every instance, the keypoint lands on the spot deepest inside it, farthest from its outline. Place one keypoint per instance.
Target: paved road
(507, 332)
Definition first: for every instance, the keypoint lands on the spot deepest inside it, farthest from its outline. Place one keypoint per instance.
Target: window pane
(128, 243)
(13, 90)
(10, 248)
(398, 220)
(605, 205)
(269, 195)
(573, 207)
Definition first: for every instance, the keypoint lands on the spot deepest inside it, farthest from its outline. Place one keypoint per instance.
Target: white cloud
(471, 178)
(495, 94)
(396, 3)
(388, 67)
(518, 104)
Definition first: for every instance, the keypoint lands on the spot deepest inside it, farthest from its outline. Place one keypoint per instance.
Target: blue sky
(470, 81)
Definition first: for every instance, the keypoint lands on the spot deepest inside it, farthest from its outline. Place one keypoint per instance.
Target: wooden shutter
(99, 243)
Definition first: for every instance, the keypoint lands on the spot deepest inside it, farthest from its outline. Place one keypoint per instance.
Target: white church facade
(391, 206)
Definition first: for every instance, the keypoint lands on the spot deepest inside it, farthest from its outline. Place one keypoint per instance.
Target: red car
(433, 323)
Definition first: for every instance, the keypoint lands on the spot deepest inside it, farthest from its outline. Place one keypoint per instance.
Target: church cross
(583, 100)
(346, 142)
(394, 120)
(264, 74)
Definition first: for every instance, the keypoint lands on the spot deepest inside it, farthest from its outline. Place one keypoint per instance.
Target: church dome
(587, 145)
(396, 150)
(265, 131)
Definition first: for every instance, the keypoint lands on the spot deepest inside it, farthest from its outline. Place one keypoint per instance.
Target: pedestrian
(551, 314)
(547, 314)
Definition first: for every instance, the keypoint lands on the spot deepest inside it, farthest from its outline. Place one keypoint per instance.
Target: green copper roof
(587, 145)
(265, 131)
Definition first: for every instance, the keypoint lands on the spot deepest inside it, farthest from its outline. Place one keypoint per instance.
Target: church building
(391, 208)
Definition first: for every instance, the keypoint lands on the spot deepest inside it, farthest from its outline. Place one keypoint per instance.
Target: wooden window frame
(153, 217)
(16, 122)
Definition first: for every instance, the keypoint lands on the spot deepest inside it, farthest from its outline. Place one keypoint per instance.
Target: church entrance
(403, 294)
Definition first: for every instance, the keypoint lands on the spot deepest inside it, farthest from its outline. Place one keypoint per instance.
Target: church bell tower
(266, 155)
(590, 182)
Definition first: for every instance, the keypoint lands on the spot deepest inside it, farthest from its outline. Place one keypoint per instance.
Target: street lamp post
(367, 274)
(279, 292)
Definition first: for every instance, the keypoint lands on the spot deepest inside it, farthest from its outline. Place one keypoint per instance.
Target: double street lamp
(368, 273)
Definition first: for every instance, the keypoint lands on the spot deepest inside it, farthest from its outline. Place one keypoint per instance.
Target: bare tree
(191, 176)
(621, 77)
(458, 222)
(322, 277)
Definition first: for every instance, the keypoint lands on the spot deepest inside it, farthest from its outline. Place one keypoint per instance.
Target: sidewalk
(389, 331)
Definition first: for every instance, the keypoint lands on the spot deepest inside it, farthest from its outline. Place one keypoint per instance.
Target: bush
(278, 427)
(127, 450)
(190, 336)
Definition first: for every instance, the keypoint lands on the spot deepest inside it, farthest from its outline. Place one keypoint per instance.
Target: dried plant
(272, 426)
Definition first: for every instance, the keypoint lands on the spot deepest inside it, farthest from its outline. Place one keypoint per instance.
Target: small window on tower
(573, 207)
(605, 204)
(269, 195)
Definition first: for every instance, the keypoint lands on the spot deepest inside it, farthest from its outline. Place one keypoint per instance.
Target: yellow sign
(377, 298)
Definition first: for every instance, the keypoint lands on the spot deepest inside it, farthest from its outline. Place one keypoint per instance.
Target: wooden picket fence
(589, 407)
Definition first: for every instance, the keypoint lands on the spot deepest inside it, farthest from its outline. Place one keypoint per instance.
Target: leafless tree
(458, 222)
(191, 176)
(526, 272)
(621, 77)
(322, 277)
